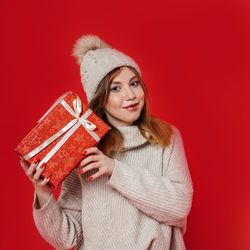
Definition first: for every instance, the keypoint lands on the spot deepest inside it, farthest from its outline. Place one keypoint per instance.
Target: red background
(195, 58)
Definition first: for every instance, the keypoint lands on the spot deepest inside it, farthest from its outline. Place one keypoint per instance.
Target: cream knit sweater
(143, 205)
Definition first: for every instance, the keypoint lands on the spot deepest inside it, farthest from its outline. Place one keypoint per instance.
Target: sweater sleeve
(59, 222)
(166, 198)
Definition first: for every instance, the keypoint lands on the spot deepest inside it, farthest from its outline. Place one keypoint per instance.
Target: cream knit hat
(97, 59)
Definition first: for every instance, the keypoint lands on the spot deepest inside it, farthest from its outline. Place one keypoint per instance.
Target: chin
(132, 121)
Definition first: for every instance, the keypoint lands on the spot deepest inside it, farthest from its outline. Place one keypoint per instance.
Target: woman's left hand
(94, 158)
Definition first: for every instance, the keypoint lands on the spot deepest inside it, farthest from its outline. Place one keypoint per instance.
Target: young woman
(133, 190)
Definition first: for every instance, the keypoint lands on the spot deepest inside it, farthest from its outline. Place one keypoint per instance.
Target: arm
(59, 222)
(166, 198)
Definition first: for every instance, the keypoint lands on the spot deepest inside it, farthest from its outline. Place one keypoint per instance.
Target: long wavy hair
(153, 129)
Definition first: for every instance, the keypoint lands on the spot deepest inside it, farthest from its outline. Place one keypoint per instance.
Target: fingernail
(90, 178)
(78, 166)
(84, 152)
(80, 171)
(35, 162)
(43, 165)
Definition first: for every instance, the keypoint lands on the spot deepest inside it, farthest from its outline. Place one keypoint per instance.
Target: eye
(134, 83)
(115, 89)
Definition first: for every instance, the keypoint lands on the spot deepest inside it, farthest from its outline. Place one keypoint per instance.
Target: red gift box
(61, 136)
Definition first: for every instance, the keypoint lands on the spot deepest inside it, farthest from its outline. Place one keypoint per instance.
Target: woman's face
(126, 99)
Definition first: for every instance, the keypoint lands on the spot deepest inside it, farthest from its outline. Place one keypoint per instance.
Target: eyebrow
(129, 80)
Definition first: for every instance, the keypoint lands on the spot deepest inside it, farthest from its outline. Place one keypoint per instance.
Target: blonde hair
(159, 131)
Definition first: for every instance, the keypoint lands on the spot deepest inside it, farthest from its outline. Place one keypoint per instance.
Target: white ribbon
(71, 127)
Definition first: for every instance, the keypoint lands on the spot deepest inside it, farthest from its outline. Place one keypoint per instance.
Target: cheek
(140, 97)
(140, 94)
(113, 102)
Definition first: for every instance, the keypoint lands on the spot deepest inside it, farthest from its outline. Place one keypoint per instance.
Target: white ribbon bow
(71, 127)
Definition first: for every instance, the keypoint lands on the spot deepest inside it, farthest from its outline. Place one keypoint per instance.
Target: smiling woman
(119, 89)
(136, 180)
(126, 99)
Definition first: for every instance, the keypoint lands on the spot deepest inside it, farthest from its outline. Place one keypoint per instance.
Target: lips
(131, 106)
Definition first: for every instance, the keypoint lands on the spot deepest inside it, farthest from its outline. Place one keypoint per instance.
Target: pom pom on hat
(97, 59)
(86, 43)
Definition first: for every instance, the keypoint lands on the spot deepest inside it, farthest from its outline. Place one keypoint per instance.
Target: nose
(129, 93)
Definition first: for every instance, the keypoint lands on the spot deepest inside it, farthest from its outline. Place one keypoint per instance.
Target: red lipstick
(133, 107)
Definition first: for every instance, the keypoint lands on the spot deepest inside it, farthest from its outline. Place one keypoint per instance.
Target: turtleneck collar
(132, 136)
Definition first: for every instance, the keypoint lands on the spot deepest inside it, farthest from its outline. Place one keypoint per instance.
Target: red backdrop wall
(195, 59)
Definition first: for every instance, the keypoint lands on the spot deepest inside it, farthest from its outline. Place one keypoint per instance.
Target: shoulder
(173, 132)
(177, 135)
(176, 139)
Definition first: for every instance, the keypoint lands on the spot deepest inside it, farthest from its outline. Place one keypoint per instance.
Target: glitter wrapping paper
(68, 156)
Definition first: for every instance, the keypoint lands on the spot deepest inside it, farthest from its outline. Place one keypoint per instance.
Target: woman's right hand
(41, 186)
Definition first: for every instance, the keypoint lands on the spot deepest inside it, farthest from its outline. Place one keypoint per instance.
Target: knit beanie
(96, 59)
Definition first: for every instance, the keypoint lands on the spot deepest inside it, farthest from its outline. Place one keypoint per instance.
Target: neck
(132, 136)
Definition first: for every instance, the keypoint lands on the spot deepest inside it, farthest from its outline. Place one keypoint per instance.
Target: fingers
(38, 173)
(45, 181)
(33, 174)
(93, 150)
(23, 164)
(96, 175)
(89, 159)
(87, 168)
(30, 171)
(91, 155)
(94, 159)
